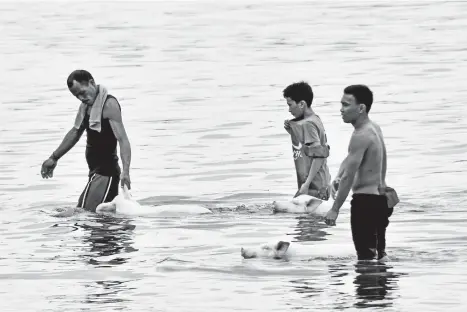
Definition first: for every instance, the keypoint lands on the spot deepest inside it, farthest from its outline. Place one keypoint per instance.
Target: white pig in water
(287, 251)
(283, 250)
(279, 250)
(303, 204)
(125, 204)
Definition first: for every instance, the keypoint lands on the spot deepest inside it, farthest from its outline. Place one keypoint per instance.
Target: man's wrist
(335, 208)
(54, 157)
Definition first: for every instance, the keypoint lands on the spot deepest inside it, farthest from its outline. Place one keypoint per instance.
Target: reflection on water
(307, 287)
(108, 239)
(375, 285)
(106, 292)
(108, 236)
(310, 228)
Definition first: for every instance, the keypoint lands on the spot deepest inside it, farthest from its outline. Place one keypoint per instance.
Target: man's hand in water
(48, 166)
(331, 217)
(125, 179)
(287, 125)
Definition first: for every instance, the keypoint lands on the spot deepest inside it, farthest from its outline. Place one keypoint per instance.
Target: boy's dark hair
(80, 75)
(362, 95)
(299, 91)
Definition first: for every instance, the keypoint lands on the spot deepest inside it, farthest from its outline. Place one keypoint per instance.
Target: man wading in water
(364, 170)
(100, 115)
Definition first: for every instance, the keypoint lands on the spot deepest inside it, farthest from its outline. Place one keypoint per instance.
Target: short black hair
(299, 91)
(80, 75)
(362, 95)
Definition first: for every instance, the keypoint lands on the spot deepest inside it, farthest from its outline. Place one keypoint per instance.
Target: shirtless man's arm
(384, 164)
(357, 148)
(113, 113)
(337, 179)
(341, 171)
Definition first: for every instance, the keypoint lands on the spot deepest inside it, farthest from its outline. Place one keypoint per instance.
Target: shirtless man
(363, 170)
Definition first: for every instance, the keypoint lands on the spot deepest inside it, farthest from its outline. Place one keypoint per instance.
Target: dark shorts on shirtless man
(369, 218)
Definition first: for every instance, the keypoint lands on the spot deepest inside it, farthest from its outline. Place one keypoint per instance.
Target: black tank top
(101, 148)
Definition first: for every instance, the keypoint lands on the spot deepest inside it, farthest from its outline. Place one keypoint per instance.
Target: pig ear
(313, 203)
(282, 246)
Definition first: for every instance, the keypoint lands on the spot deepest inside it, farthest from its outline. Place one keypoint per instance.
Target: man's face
(86, 92)
(350, 109)
(296, 109)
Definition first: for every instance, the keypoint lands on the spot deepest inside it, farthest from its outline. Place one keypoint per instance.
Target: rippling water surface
(200, 84)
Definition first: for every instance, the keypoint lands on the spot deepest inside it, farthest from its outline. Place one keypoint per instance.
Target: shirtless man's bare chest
(369, 175)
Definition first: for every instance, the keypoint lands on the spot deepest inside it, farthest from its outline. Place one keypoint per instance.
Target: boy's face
(296, 109)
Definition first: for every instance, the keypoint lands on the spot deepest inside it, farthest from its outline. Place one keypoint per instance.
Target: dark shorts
(100, 189)
(369, 218)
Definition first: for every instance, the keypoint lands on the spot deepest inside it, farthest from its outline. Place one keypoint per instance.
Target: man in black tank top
(103, 134)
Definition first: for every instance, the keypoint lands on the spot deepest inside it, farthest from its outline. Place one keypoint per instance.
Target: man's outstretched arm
(358, 146)
(70, 140)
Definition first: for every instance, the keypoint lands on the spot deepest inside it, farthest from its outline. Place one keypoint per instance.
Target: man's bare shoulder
(361, 139)
(111, 109)
(377, 128)
(375, 125)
